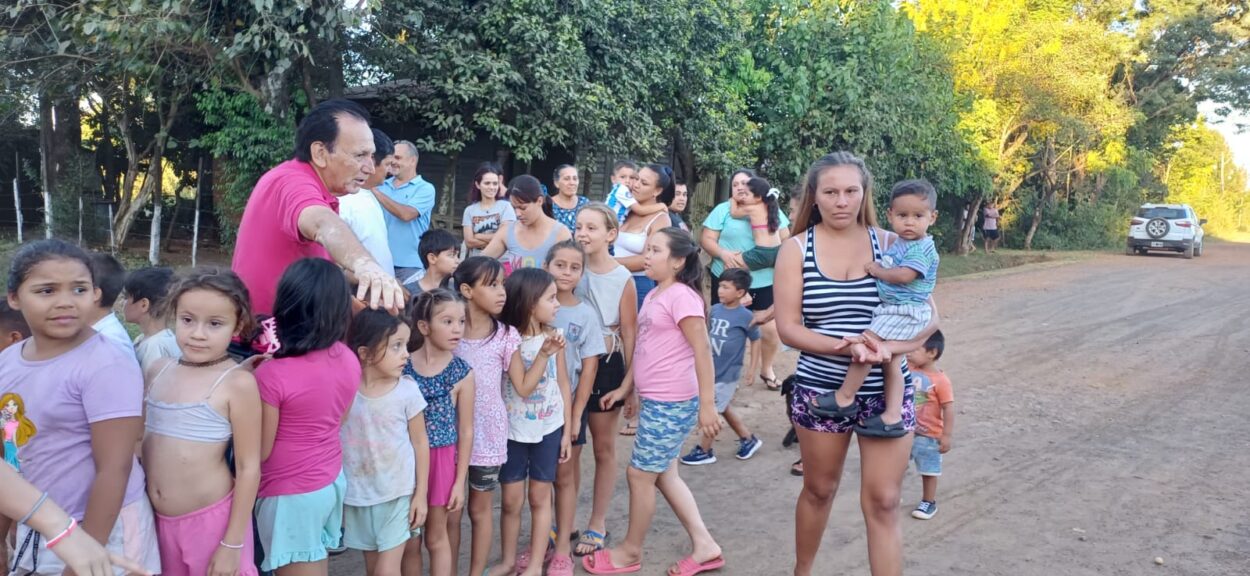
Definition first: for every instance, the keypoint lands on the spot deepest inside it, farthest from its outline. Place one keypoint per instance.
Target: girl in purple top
(306, 391)
(82, 398)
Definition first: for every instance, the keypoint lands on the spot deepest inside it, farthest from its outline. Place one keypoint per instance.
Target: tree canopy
(1067, 113)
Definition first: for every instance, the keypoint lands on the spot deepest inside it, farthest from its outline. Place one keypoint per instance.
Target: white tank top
(634, 243)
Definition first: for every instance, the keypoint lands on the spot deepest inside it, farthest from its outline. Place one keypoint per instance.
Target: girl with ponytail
(760, 205)
(673, 370)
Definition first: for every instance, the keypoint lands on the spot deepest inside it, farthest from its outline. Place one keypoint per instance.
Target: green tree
(856, 76)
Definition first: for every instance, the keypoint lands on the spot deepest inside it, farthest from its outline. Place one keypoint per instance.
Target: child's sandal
(875, 427)
(826, 406)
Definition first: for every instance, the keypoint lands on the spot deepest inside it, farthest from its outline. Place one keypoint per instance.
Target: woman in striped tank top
(836, 236)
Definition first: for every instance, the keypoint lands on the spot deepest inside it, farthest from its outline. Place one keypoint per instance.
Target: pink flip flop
(601, 563)
(688, 567)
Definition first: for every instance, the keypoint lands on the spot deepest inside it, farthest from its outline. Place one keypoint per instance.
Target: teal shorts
(301, 527)
(380, 527)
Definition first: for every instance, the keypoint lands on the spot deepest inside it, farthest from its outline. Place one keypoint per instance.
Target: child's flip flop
(592, 539)
(688, 567)
(601, 563)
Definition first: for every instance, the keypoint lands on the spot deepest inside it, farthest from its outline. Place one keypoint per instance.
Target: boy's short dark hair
(741, 279)
(918, 187)
(624, 164)
(110, 278)
(150, 283)
(12, 320)
(936, 342)
(434, 241)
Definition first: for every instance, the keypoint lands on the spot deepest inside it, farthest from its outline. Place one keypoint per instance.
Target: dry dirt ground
(1102, 423)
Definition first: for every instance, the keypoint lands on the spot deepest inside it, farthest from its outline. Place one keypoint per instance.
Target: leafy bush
(245, 142)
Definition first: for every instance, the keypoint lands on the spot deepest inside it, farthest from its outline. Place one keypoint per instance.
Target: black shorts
(991, 234)
(761, 298)
(579, 437)
(610, 376)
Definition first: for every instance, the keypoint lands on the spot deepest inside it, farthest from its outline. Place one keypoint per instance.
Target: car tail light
(1138, 222)
(1184, 223)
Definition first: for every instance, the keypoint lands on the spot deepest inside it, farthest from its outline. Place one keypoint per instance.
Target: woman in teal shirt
(725, 238)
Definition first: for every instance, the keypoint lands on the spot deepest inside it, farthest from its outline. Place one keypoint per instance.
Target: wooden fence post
(112, 238)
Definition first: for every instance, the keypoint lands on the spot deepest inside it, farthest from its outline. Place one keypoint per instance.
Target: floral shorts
(869, 406)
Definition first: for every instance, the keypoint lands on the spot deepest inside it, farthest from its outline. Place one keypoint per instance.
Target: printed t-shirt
(312, 393)
(541, 413)
(583, 335)
(933, 389)
(269, 239)
(736, 236)
(919, 255)
(487, 220)
(663, 359)
(56, 401)
(728, 332)
(404, 236)
(363, 214)
(490, 358)
(378, 457)
(620, 199)
(163, 344)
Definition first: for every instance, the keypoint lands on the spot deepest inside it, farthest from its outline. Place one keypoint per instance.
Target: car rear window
(1168, 213)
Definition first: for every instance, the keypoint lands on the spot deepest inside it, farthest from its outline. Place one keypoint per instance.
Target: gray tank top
(604, 293)
(520, 257)
(193, 421)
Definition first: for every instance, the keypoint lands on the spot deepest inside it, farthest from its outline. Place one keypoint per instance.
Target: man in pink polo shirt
(293, 210)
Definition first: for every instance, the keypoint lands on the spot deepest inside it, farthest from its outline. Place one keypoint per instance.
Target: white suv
(1171, 227)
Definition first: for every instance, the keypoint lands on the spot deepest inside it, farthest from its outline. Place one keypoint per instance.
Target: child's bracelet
(759, 226)
(231, 546)
(66, 532)
(38, 504)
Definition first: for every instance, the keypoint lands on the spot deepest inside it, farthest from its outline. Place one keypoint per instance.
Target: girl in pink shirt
(673, 370)
(306, 391)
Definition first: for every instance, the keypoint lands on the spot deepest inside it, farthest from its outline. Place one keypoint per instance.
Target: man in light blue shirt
(407, 201)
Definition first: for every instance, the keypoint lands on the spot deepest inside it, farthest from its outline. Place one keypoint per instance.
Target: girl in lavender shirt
(83, 397)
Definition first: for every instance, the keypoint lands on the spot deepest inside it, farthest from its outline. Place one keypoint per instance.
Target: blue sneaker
(925, 510)
(698, 457)
(747, 447)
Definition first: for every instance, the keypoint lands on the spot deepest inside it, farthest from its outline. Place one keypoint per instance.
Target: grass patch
(954, 265)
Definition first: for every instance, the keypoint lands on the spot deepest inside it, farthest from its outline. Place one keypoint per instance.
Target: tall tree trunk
(969, 225)
(685, 159)
(1047, 193)
(151, 180)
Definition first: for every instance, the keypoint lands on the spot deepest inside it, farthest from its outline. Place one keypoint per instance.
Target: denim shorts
(536, 461)
(301, 527)
(724, 392)
(662, 427)
(927, 456)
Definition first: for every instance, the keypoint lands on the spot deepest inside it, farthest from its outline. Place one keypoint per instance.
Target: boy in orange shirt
(935, 418)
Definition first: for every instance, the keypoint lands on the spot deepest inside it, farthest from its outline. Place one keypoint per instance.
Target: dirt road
(1103, 411)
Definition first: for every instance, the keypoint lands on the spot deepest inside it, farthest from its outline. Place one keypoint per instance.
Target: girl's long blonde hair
(25, 428)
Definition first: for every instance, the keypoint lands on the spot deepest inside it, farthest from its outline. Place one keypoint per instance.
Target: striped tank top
(838, 308)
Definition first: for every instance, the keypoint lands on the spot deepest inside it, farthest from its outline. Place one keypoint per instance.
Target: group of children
(368, 429)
